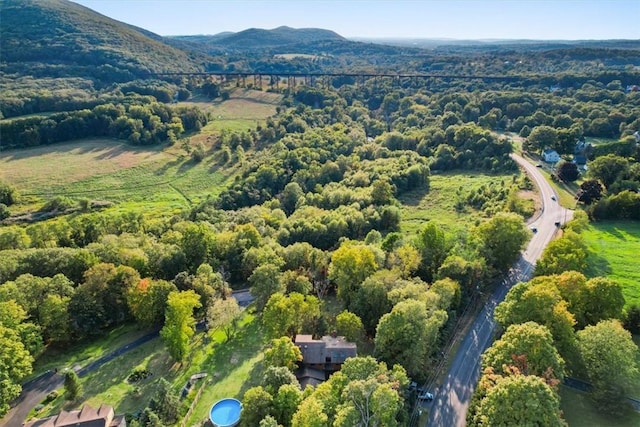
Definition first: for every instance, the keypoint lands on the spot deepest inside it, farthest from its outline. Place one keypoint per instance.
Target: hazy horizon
(488, 20)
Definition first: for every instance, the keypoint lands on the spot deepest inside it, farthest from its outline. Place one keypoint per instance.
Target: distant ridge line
(367, 75)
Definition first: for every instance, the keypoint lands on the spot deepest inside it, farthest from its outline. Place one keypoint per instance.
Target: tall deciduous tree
(431, 243)
(224, 315)
(351, 263)
(408, 335)
(282, 352)
(286, 403)
(310, 413)
(16, 363)
(371, 301)
(528, 346)
(179, 324)
(590, 191)
(541, 304)
(350, 326)
(197, 242)
(567, 171)
(147, 301)
(290, 314)
(567, 253)
(541, 137)
(55, 318)
(608, 169)
(520, 400)
(265, 281)
(275, 377)
(256, 405)
(610, 359)
(503, 237)
(368, 403)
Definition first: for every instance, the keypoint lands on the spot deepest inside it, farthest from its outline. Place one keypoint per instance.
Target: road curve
(450, 405)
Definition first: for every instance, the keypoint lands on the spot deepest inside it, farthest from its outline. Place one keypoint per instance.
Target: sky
(452, 19)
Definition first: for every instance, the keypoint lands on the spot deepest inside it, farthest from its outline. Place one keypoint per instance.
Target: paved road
(450, 405)
(34, 391)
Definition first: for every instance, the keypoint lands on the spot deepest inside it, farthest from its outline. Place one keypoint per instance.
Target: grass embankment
(231, 368)
(580, 411)
(613, 252)
(83, 353)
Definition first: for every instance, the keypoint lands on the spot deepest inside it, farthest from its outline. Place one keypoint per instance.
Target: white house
(550, 156)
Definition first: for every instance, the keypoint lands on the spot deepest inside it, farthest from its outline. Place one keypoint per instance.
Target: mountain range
(59, 38)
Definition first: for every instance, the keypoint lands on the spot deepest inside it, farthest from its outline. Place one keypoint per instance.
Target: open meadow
(159, 180)
(448, 200)
(613, 252)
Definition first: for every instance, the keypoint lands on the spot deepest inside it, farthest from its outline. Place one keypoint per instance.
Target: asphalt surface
(34, 391)
(451, 402)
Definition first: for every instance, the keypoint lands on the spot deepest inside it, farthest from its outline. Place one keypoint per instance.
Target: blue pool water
(225, 413)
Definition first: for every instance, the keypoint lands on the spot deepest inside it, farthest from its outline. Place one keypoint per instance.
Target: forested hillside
(59, 38)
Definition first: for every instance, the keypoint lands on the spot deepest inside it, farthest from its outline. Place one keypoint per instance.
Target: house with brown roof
(321, 358)
(327, 353)
(104, 416)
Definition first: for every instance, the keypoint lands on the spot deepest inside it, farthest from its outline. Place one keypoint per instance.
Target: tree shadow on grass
(226, 356)
(414, 197)
(597, 265)
(168, 165)
(130, 397)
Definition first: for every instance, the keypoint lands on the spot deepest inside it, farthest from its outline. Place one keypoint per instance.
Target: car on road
(553, 198)
(425, 395)
(534, 229)
(538, 165)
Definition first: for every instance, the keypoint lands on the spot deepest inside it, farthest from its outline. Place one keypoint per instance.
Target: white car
(425, 395)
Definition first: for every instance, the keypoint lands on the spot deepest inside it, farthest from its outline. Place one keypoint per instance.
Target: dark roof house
(320, 358)
(328, 349)
(580, 159)
(104, 416)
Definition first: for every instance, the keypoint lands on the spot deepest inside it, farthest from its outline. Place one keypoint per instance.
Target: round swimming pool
(225, 413)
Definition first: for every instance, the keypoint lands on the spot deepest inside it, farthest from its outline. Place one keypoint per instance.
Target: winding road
(34, 391)
(450, 405)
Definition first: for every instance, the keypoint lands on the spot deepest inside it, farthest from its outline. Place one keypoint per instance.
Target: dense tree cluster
(314, 211)
(139, 120)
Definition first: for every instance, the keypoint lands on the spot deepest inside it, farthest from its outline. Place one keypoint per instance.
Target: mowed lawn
(614, 247)
(231, 367)
(580, 411)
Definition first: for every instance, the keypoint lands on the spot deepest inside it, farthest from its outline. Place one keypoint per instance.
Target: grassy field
(580, 411)
(159, 180)
(231, 367)
(614, 248)
(86, 352)
(244, 109)
(438, 204)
